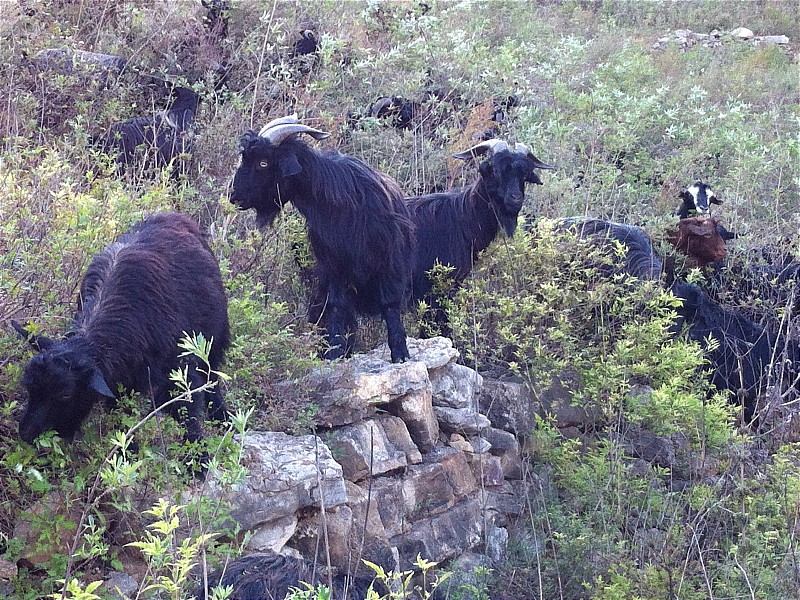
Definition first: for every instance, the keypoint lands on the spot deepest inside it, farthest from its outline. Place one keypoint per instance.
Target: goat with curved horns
(358, 225)
(454, 227)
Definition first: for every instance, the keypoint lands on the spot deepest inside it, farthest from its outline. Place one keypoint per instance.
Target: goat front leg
(396, 334)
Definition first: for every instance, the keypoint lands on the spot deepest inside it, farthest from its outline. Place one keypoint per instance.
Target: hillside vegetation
(629, 122)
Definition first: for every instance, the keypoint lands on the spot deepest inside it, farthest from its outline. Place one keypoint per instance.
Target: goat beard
(508, 223)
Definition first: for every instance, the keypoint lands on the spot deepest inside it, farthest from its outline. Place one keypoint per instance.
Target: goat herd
(374, 251)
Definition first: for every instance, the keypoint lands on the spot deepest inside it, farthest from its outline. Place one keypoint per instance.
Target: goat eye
(263, 164)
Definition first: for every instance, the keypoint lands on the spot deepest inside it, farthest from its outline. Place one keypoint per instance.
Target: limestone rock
(460, 420)
(310, 536)
(369, 539)
(488, 469)
(426, 489)
(397, 433)
(496, 543)
(120, 585)
(285, 475)
(417, 413)
(364, 449)
(506, 500)
(509, 406)
(273, 535)
(479, 445)
(456, 386)
(501, 441)
(433, 352)
(776, 39)
(442, 536)
(742, 33)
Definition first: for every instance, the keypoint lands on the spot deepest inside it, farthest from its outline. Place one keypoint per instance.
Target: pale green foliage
(169, 557)
(627, 125)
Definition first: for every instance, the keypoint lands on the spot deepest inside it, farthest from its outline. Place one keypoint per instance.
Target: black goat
(155, 284)
(158, 140)
(396, 110)
(262, 576)
(747, 358)
(640, 260)
(454, 227)
(216, 17)
(763, 283)
(358, 225)
(305, 52)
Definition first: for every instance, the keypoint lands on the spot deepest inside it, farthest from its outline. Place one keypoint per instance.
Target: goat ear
(289, 165)
(98, 383)
(39, 342)
(715, 200)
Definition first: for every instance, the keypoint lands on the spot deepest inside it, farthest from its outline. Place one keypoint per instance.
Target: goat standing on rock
(454, 227)
(358, 225)
(139, 297)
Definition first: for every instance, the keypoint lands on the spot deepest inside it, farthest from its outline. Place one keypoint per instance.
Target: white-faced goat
(639, 259)
(157, 140)
(358, 224)
(154, 285)
(454, 227)
(746, 359)
(696, 201)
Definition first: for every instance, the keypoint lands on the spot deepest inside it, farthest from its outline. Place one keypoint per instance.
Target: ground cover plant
(627, 119)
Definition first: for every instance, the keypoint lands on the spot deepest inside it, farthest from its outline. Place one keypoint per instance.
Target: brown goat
(699, 239)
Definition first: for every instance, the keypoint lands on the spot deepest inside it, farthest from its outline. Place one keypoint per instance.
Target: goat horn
(493, 145)
(276, 135)
(537, 164)
(280, 121)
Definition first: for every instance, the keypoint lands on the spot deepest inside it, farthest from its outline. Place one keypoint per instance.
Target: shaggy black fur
(157, 140)
(640, 261)
(358, 226)
(137, 299)
(262, 576)
(397, 111)
(748, 357)
(454, 227)
(216, 17)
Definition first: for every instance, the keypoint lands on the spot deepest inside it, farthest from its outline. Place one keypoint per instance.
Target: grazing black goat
(396, 110)
(154, 285)
(696, 202)
(640, 260)
(747, 358)
(763, 283)
(158, 140)
(262, 576)
(305, 51)
(358, 225)
(454, 227)
(216, 17)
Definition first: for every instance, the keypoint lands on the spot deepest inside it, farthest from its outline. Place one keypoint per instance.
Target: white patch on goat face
(695, 192)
